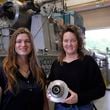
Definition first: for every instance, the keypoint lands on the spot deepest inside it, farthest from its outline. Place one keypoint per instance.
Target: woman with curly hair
(79, 71)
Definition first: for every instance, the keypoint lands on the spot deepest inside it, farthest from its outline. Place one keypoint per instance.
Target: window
(98, 40)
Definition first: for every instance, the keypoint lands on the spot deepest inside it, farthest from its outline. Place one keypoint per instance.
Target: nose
(69, 42)
(23, 43)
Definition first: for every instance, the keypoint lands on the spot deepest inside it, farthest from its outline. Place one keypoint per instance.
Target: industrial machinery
(44, 19)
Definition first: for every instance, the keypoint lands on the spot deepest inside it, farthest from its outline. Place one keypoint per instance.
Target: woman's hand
(72, 99)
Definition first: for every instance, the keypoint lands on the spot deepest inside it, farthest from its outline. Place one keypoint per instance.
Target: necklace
(24, 73)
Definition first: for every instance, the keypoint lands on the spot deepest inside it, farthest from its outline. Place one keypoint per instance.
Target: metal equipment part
(57, 91)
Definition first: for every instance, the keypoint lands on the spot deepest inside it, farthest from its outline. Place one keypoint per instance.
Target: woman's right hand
(72, 99)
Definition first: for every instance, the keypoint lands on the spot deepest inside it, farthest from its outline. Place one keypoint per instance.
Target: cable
(49, 15)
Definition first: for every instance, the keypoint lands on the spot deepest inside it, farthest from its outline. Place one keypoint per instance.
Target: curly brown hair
(73, 29)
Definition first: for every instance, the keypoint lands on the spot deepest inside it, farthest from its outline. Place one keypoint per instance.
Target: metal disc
(57, 91)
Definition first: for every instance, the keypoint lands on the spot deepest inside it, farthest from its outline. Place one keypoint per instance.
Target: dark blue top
(27, 94)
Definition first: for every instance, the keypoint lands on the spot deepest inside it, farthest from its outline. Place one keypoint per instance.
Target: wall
(97, 18)
(77, 2)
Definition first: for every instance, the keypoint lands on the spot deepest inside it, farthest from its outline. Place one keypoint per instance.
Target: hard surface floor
(101, 104)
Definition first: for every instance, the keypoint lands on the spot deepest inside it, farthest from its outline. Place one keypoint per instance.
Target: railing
(44, 60)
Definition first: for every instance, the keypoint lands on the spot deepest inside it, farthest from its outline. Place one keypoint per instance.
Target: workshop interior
(45, 18)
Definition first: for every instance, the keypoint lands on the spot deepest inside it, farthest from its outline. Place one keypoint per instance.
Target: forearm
(90, 95)
(46, 104)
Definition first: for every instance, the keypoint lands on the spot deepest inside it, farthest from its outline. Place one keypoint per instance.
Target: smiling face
(23, 45)
(70, 43)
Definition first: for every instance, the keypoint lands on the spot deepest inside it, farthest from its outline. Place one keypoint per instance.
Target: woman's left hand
(72, 99)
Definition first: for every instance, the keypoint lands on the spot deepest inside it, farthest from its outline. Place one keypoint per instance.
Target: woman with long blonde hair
(23, 81)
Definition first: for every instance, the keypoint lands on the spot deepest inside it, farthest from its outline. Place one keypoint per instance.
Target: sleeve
(2, 79)
(46, 103)
(94, 86)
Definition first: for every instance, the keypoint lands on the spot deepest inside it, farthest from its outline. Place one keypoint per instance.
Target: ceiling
(78, 5)
(82, 5)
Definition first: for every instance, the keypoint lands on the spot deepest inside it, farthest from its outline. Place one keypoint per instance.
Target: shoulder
(55, 62)
(1, 68)
(89, 58)
(3, 79)
(1, 72)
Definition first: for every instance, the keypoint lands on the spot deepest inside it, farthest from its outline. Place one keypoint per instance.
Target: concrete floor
(104, 103)
(101, 104)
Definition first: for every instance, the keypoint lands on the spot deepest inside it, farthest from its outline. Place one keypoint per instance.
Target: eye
(65, 40)
(73, 40)
(27, 41)
(18, 41)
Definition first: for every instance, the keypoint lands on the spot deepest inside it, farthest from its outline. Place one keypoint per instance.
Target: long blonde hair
(10, 61)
